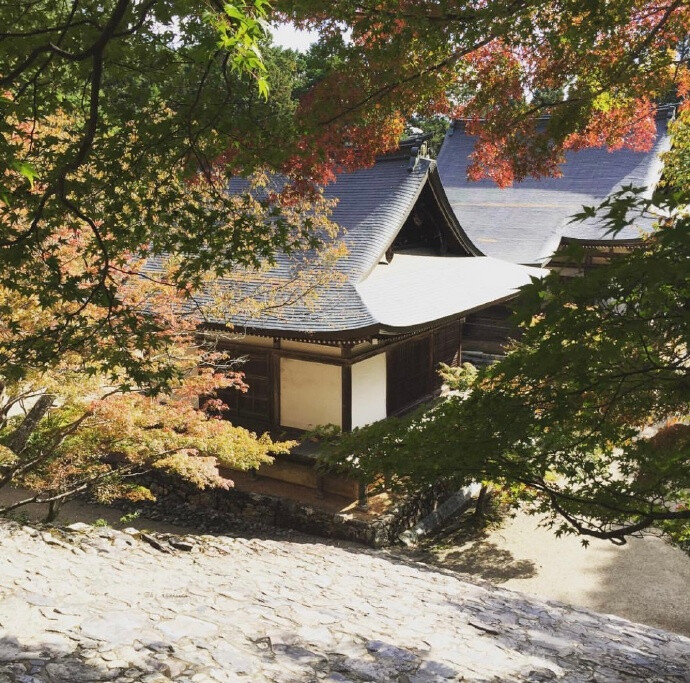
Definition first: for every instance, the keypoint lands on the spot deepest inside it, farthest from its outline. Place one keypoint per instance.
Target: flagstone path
(98, 604)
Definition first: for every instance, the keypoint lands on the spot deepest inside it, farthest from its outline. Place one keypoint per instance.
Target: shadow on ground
(652, 570)
(485, 560)
(464, 545)
(54, 661)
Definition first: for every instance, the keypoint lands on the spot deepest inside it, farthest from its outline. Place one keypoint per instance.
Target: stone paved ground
(95, 605)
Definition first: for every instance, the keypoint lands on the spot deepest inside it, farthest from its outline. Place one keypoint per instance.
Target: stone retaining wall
(221, 510)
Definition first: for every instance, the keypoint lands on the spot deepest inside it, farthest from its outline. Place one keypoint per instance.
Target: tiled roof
(373, 204)
(526, 223)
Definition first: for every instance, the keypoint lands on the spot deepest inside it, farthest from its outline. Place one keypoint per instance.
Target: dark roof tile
(525, 223)
(373, 204)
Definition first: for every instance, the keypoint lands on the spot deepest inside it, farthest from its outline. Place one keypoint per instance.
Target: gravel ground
(647, 580)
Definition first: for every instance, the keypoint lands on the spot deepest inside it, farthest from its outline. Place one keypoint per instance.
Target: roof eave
(350, 334)
(611, 242)
(358, 333)
(392, 330)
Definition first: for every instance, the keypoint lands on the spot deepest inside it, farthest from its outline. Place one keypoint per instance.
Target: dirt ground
(647, 580)
(78, 511)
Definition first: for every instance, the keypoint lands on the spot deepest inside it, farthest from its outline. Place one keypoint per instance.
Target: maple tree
(101, 447)
(71, 430)
(91, 419)
(121, 131)
(594, 68)
(123, 123)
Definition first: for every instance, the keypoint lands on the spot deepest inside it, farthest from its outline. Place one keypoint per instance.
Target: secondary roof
(526, 223)
(416, 288)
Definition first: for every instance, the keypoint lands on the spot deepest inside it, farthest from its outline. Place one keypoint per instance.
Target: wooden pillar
(363, 496)
(275, 383)
(346, 417)
(431, 372)
(461, 331)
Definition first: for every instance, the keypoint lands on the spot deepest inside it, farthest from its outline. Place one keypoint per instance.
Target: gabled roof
(370, 297)
(527, 222)
(374, 203)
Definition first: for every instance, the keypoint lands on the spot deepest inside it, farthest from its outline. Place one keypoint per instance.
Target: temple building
(530, 222)
(432, 263)
(370, 343)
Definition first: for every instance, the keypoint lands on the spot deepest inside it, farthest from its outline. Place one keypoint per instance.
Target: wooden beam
(347, 358)
(282, 353)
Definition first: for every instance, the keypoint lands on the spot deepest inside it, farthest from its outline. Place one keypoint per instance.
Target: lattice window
(446, 347)
(255, 404)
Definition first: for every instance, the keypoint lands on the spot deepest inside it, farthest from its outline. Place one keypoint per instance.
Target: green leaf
(27, 170)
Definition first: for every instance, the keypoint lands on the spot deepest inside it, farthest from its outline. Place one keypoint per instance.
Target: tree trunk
(53, 511)
(482, 500)
(16, 441)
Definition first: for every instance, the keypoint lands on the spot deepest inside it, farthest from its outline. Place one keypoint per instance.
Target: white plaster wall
(369, 390)
(310, 394)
